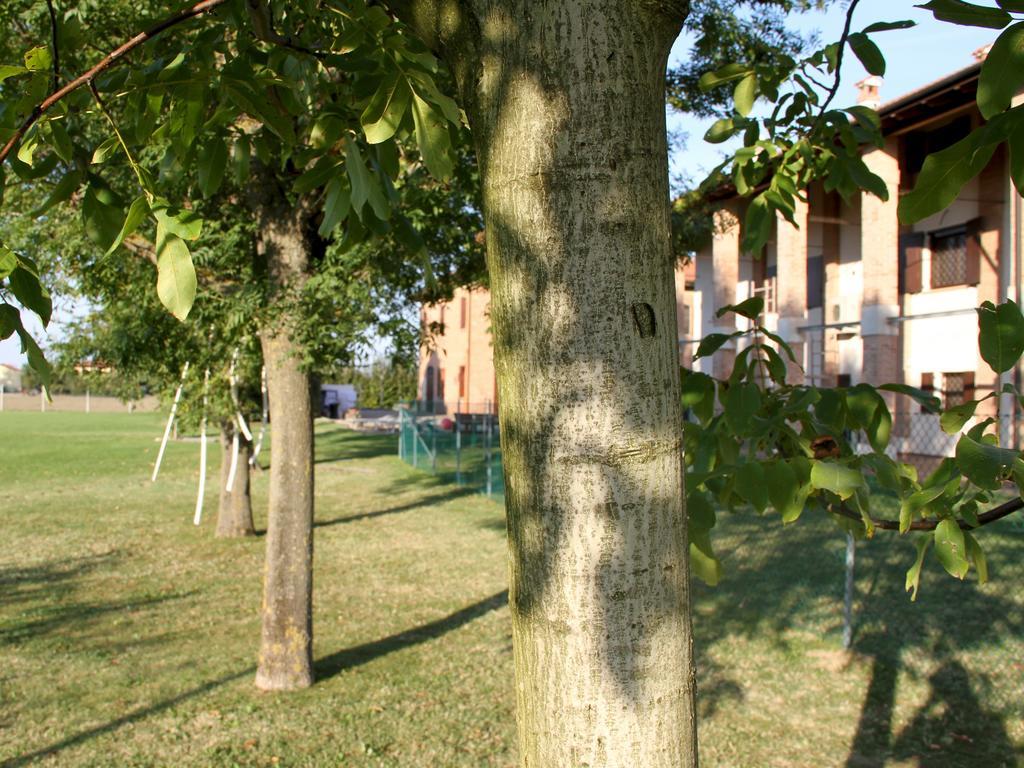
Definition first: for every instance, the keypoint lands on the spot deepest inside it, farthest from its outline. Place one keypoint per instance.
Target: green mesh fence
(463, 449)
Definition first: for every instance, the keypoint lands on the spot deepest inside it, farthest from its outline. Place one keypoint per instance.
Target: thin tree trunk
(566, 103)
(234, 517)
(286, 642)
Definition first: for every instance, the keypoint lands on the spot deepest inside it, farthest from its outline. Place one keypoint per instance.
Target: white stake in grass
(170, 421)
(263, 419)
(202, 453)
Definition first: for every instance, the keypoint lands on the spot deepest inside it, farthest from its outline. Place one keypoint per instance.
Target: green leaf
(721, 130)
(885, 26)
(63, 191)
(698, 394)
(24, 284)
(750, 484)
(983, 464)
(712, 343)
(953, 419)
(976, 557)
(384, 113)
(178, 221)
(944, 174)
(107, 149)
(745, 93)
(865, 49)
(8, 261)
(61, 141)
(213, 162)
(700, 519)
(967, 14)
(742, 402)
(757, 225)
(839, 479)
(10, 320)
(1000, 334)
(914, 573)
(918, 501)
(776, 365)
(336, 205)
(950, 548)
(1002, 72)
(750, 308)
(432, 137)
(36, 359)
(780, 341)
(722, 75)
(38, 58)
(176, 275)
(8, 70)
(101, 215)
(928, 401)
(358, 177)
(136, 213)
(869, 412)
(785, 490)
(240, 155)
(1013, 6)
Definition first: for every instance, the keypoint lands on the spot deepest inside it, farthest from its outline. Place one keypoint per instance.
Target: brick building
(860, 297)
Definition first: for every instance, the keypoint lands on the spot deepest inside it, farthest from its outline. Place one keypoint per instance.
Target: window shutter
(911, 251)
(974, 251)
(928, 385)
(968, 385)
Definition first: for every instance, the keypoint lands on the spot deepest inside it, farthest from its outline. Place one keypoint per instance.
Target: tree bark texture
(234, 517)
(286, 643)
(566, 102)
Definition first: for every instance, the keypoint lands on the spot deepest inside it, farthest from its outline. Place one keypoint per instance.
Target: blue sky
(915, 57)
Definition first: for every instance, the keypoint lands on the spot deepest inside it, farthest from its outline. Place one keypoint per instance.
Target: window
(462, 312)
(462, 380)
(949, 259)
(686, 316)
(428, 395)
(958, 388)
(815, 282)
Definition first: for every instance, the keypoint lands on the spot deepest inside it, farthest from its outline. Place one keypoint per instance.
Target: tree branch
(839, 65)
(108, 61)
(996, 513)
(56, 48)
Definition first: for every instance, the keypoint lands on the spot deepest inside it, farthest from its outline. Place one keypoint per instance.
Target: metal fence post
(487, 448)
(851, 550)
(415, 444)
(458, 449)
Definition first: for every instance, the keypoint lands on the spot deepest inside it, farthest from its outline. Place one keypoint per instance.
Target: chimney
(868, 91)
(982, 53)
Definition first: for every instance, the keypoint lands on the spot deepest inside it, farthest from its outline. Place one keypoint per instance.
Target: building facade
(860, 297)
(10, 378)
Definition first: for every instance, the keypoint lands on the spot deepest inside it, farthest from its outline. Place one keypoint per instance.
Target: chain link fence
(463, 447)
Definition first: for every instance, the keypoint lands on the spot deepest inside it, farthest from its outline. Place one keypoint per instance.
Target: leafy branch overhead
(756, 440)
(334, 95)
(802, 139)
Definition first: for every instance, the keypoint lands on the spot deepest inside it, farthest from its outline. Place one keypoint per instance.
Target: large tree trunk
(286, 642)
(566, 103)
(234, 517)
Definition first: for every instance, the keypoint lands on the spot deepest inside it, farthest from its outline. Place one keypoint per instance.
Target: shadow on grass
(962, 639)
(76, 616)
(325, 668)
(425, 501)
(335, 444)
(50, 579)
(329, 666)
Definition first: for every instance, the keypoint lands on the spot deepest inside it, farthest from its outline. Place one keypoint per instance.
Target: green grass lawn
(128, 636)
